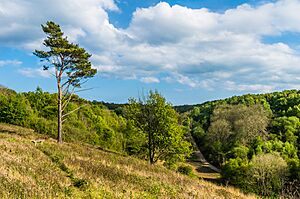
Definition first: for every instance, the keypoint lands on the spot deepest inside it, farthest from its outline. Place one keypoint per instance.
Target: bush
(294, 165)
(185, 169)
(235, 172)
(14, 109)
(43, 126)
(267, 174)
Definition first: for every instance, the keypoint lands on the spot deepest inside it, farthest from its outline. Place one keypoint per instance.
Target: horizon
(174, 105)
(191, 52)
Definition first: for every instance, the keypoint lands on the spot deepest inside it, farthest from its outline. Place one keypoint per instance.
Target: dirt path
(199, 158)
(203, 169)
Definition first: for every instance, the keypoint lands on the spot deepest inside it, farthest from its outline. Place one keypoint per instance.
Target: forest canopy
(244, 133)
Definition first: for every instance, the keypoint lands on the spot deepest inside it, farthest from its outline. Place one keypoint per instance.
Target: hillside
(75, 170)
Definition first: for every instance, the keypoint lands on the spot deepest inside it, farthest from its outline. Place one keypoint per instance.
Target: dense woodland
(254, 139)
(93, 124)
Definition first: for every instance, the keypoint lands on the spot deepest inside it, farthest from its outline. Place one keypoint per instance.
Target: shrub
(43, 126)
(14, 109)
(235, 172)
(185, 169)
(267, 174)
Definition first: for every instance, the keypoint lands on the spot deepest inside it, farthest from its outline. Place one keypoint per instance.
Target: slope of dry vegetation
(74, 170)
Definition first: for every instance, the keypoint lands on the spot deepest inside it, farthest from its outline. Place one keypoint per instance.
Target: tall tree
(71, 65)
(234, 125)
(157, 119)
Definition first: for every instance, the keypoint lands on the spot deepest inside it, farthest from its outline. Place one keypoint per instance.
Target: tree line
(129, 131)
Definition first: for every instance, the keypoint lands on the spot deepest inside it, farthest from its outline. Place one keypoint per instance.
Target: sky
(191, 51)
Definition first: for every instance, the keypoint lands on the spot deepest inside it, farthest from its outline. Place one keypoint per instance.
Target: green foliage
(159, 122)
(238, 123)
(6, 91)
(294, 165)
(233, 132)
(42, 103)
(198, 134)
(185, 169)
(233, 125)
(43, 126)
(95, 124)
(14, 109)
(286, 128)
(91, 124)
(135, 142)
(240, 152)
(267, 174)
(73, 60)
(235, 171)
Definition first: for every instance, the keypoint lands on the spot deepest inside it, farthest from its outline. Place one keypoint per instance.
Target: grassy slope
(71, 170)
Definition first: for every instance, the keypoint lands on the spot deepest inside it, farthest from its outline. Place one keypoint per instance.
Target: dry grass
(49, 170)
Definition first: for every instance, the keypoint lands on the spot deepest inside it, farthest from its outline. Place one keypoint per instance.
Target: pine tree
(71, 65)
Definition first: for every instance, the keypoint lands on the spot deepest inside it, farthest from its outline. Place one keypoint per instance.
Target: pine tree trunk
(59, 114)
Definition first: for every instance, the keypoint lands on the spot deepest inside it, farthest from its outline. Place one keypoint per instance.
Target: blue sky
(190, 51)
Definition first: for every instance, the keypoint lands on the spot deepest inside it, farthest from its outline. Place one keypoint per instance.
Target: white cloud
(20, 20)
(195, 47)
(232, 86)
(36, 72)
(163, 23)
(149, 80)
(10, 62)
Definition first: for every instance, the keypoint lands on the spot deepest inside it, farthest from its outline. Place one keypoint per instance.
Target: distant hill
(33, 168)
(241, 99)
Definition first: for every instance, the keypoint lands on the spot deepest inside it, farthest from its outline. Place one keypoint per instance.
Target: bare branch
(71, 94)
(52, 74)
(68, 83)
(66, 89)
(83, 82)
(78, 91)
(74, 110)
(68, 100)
(64, 120)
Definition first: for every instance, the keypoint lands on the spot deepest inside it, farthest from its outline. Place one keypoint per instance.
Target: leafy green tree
(43, 103)
(70, 63)
(286, 128)
(157, 119)
(235, 171)
(234, 125)
(14, 109)
(238, 123)
(135, 142)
